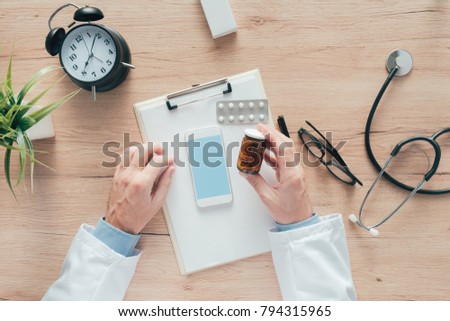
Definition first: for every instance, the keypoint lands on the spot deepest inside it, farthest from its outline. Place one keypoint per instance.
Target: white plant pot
(43, 129)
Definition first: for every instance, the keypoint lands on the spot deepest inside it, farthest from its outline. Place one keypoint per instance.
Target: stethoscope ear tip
(352, 218)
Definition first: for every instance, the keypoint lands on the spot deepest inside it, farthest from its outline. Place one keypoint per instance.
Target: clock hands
(85, 44)
(97, 58)
(93, 42)
(90, 53)
(86, 63)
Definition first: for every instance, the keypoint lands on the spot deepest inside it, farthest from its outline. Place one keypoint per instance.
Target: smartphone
(210, 177)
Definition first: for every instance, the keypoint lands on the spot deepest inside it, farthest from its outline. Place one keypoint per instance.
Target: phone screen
(209, 171)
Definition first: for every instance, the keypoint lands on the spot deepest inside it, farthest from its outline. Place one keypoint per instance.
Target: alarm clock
(95, 57)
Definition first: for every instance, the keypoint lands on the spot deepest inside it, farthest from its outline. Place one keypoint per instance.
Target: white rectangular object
(220, 17)
(42, 129)
(207, 237)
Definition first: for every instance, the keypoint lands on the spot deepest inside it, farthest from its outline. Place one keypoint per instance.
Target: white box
(43, 129)
(219, 16)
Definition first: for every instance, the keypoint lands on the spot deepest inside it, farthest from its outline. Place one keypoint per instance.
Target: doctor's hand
(287, 200)
(140, 185)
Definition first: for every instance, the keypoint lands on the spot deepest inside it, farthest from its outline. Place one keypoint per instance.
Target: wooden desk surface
(321, 61)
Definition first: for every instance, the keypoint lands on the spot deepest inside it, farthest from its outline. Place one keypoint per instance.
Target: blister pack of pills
(236, 112)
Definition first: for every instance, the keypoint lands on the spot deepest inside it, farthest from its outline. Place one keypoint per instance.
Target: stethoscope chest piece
(401, 59)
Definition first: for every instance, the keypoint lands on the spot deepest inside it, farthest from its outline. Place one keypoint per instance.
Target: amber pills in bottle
(251, 154)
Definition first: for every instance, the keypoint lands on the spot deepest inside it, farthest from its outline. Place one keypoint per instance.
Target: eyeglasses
(322, 149)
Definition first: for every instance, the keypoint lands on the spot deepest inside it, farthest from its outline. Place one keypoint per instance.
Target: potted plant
(16, 118)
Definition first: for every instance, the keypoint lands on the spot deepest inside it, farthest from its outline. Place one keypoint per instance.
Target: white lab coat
(311, 263)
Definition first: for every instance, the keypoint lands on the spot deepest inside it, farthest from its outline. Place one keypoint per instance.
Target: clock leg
(94, 93)
(127, 65)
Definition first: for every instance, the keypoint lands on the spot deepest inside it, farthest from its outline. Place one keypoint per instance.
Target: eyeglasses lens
(312, 145)
(340, 172)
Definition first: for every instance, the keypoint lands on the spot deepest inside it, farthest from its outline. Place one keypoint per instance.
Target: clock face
(88, 53)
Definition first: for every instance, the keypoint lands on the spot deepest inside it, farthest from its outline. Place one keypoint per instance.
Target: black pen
(282, 125)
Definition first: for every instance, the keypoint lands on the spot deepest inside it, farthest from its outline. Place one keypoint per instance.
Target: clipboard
(208, 237)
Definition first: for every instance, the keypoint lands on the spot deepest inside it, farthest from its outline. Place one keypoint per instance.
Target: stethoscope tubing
(427, 176)
(369, 192)
(371, 155)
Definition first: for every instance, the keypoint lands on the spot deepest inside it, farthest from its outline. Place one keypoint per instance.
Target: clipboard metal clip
(197, 88)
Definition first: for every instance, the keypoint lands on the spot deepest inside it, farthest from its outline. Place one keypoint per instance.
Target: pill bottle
(251, 154)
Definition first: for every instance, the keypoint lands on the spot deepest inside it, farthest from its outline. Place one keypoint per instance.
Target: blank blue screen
(208, 167)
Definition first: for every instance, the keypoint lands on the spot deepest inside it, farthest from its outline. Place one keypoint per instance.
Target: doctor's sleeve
(312, 262)
(93, 271)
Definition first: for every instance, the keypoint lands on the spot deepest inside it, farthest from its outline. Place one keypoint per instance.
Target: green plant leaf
(11, 114)
(8, 145)
(7, 163)
(26, 123)
(34, 101)
(8, 81)
(46, 110)
(9, 137)
(3, 101)
(15, 113)
(4, 123)
(23, 155)
(32, 160)
(20, 112)
(18, 116)
(7, 84)
(33, 82)
(3, 105)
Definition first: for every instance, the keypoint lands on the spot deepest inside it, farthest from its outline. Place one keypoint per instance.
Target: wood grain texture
(320, 60)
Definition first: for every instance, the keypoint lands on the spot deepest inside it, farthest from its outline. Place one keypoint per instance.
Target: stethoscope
(399, 63)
